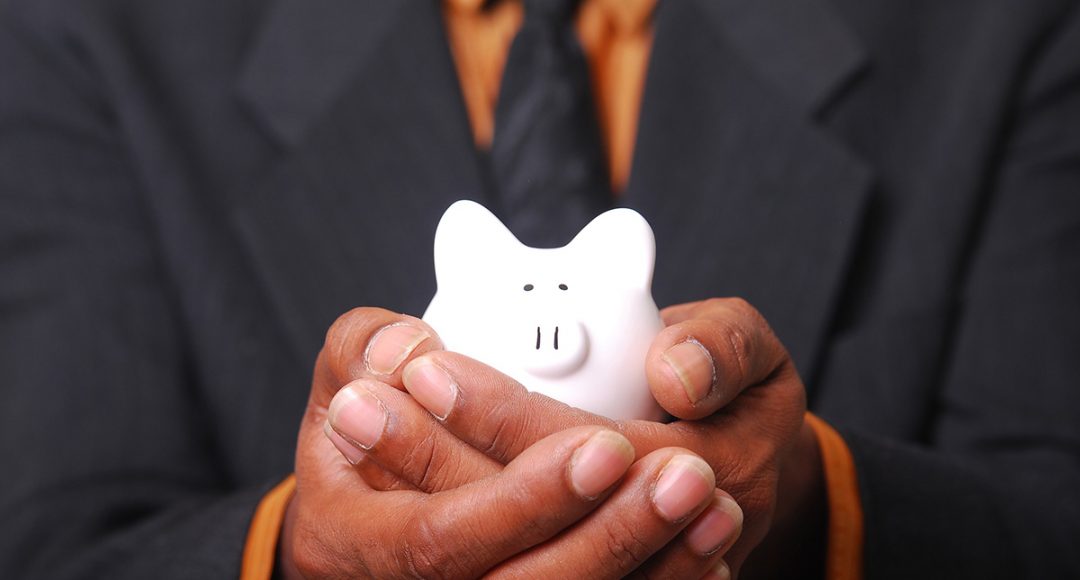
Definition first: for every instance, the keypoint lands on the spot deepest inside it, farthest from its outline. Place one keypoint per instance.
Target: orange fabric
(479, 40)
(843, 559)
(616, 36)
(262, 539)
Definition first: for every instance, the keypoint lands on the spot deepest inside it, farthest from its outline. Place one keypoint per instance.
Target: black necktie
(546, 156)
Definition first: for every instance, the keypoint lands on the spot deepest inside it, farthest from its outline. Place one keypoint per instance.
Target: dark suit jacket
(190, 192)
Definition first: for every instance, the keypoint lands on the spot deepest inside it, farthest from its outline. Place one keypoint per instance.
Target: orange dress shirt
(616, 36)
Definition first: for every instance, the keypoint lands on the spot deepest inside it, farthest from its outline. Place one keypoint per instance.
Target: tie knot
(552, 11)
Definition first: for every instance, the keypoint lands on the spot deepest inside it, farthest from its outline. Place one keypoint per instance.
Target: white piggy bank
(573, 323)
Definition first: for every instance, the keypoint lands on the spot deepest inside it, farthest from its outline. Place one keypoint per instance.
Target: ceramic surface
(573, 323)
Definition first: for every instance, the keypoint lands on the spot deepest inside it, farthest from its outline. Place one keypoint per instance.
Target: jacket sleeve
(996, 492)
(109, 468)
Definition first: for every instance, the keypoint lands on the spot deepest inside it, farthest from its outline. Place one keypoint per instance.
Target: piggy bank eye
(528, 287)
(563, 287)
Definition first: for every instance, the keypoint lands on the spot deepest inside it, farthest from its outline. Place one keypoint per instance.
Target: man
(191, 194)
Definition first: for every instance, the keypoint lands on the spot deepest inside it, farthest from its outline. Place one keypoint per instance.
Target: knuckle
(506, 433)
(339, 344)
(742, 306)
(625, 545)
(423, 554)
(757, 327)
(713, 305)
(747, 315)
(343, 326)
(420, 464)
(736, 344)
(426, 551)
(793, 393)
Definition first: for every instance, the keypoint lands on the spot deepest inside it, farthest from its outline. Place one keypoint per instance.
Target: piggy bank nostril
(539, 335)
(558, 348)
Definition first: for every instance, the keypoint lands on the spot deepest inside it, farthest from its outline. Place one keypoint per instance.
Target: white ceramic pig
(573, 323)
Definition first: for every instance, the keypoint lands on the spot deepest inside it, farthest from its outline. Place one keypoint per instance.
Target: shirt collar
(626, 15)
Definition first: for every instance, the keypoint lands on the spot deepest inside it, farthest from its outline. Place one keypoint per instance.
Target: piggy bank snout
(553, 347)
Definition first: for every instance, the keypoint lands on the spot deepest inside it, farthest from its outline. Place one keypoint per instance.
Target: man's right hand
(554, 510)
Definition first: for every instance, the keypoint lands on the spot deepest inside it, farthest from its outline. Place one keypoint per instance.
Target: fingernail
(693, 365)
(431, 386)
(358, 416)
(719, 572)
(715, 528)
(351, 452)
(391, 345)
(599, 463)
(685, 482)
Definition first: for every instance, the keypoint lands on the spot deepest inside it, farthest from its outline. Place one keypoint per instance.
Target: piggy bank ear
(470, 242)
(619, 246)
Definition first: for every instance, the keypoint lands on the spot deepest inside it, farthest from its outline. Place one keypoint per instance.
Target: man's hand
(717, 367)
(577, 502)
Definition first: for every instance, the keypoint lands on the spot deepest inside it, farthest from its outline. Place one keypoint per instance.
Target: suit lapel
(748, 195)
(363, 97)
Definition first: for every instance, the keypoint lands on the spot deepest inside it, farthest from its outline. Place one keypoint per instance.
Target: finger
(679, 312)
(701, 547)
(466, 531)
(718, 349)
(364, 342)
(662, 494)
(369, 343)
(493, 413)
(373, 474)
(375, 423)
(487, 409)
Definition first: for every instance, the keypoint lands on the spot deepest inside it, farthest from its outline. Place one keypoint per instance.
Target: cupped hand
(717, 368)
(577, 502)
